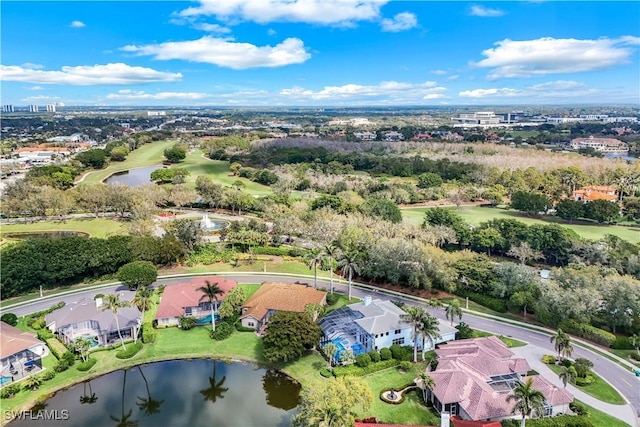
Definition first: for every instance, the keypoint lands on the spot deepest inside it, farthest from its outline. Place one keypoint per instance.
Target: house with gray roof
(86, 318)
(373, 324)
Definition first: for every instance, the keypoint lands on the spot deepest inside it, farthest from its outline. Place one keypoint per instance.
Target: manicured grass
(342, 301)
(625, 354)
(218, 170)
(291, 267)
(476, 214)
(249, 290)
(599, 388)
(601, 419)
(95, 227)
(147, 155)
(510, 342)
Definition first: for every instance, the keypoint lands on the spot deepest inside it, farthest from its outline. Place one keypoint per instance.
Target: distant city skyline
(319, 53)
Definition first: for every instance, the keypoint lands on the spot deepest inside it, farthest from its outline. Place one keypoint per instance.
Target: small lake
(133, 177)
(190, 393)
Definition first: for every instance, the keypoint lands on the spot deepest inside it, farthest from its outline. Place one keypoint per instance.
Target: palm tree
(414, 316)
(210, 292)
(454, 310)
(314, 257)
(216, 389)
(82, 345)
(124, 420)
(528, 400)
(112, 302)
(349, 265)
(426, 383)
(568, 375)
(330, 349)
(635, 342)
(149, 405)
(429, 329)
(143, 300)
(562, 343)
(330, 251)
(88, 398)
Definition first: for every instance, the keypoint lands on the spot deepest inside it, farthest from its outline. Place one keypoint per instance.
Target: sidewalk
(534, 355)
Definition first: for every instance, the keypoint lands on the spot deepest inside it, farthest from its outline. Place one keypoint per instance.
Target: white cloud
(482, 93)
(271, 32)
(129, 95)
(34, 88)
(400, 92)
(40, 98)
(322, 12)
(85, 75)
(77, 24)
(454, 77)
(227, 53)
(32, 66)
(559, 89)
(211, 28)
(485, 12)
(513, 59)
(401, 22)
(438, 72)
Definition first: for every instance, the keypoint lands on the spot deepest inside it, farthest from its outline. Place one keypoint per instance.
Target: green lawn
(476, 214)
(96, 227)
(218, 170)
(291, 267)
(625, 354)
(147, 155)
(601, 419)
(600, 389)
(249, 290)
(510, 342)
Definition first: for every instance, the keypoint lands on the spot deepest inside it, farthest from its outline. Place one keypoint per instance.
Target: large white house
(603, 145)
(371, 325)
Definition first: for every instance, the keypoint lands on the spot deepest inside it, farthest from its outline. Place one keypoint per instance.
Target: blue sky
(319, 52)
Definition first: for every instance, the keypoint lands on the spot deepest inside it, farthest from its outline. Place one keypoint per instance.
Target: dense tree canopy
(137, 274)
(288, 335)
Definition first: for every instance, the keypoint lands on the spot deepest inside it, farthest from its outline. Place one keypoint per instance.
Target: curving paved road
(621, 378)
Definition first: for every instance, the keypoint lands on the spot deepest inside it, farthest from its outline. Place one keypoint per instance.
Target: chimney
(444, 419)
(367, 300)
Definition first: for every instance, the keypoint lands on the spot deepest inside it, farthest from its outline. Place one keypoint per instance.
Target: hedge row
(131, 351)
(357, 371)
(588, 332)
(59, 350)
(560, 421)
(495, 304)
(85, 366)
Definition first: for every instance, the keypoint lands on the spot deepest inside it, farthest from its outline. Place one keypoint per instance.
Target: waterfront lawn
(95, 227)
(146, 155)
(475, 215)
(599, 388)
(599, 418)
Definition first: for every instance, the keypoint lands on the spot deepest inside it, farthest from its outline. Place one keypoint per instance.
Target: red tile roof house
(184, 299)
(474, 377)
(20, 354)
(274, 297)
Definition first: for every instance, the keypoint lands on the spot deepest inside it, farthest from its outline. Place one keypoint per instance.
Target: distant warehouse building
(603, 145)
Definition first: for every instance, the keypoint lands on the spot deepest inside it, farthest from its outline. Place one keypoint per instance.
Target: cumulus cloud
(401, 22)
(485, 12)
(77, 24)
(211, 28)
(129, 95)
(438, 72)
(34, 88)
(226, 52)
(547, 55)
(321, 12)
(86, 75)
(548, 90)
(389, 90)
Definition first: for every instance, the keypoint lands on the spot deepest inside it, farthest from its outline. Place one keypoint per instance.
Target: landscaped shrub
(401, 353)
(48, 375)
(241, 328)
(549, 359)
(588, 332)
(327, 373)
(567, 363)
(85, 366)
(559, 421)
(374, 355)
(9, 391)
(44, 334)
(131, 351)
(332, 299)
(357, 371)
(578, 408)
(222, 332)
(148, 334)
(38, 323)
(495, 304)
(464, 331)
(10, 319)
(61, 366)
(363, 360)
(385, 354)
(622, 343)
(271, 250)
(405, 365)
(584, 381)
(298, 252)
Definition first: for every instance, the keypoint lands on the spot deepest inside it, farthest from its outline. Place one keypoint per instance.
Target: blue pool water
(343, 344)
(207, 319)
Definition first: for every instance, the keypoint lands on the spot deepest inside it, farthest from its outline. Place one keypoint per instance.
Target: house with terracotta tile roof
(474, 377)
(274, 297)
(595, 192)
(21, 354)
(184, 299)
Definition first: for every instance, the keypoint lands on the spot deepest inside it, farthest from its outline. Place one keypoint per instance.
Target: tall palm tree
(567, 375)
(348, 264)
(314, 257)
(414, 317)
(330, 251)
(88, 398)
(124, 420)
(426, 383)
(562, 343)
(216, 390)
(142, 300)
(528, 400)
(149, 405)
(454, 310)
(112, 302)
(330, 349)
(429, 329)
(210, 293)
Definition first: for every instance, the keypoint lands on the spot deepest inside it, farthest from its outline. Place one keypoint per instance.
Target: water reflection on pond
(133, 177)
(178, 393)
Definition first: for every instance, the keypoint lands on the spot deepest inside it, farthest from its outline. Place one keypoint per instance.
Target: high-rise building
(7, 108)
(33, 109)
(51, 108)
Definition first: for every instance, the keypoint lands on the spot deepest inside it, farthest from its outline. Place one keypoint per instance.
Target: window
(251, 324)
(387, 334)
(187, 311)
(398, 331)
(399, 341)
